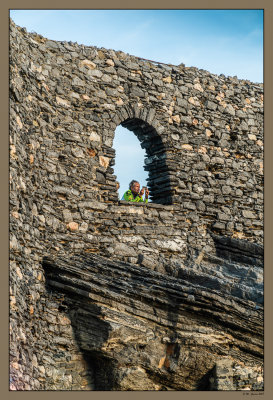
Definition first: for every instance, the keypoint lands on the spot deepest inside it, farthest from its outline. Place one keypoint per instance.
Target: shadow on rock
(90, 330)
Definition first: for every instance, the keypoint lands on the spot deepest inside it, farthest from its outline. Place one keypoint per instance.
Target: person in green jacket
(133, 194)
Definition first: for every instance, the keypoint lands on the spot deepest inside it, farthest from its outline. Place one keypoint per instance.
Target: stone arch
(143, 123)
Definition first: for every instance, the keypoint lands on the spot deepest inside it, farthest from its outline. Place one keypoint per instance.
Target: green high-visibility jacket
(129, 196)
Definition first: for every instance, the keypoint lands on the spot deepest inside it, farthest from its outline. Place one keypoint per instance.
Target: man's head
(134, 186)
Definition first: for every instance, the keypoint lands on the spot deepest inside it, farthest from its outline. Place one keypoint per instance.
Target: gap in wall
(129, 160)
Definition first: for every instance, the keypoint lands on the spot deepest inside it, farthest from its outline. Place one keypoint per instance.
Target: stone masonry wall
(227, 376)
(203, 136)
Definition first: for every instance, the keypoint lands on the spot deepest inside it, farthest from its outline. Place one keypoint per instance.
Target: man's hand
(141, 192)
(146, 193)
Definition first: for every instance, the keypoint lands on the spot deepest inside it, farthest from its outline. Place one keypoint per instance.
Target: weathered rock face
(142, 330)
(199, 241)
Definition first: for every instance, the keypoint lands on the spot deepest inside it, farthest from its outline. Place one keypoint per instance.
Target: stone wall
(203, 136)
(227, 376)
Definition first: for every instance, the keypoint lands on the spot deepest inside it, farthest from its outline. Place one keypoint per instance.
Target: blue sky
(228, 42)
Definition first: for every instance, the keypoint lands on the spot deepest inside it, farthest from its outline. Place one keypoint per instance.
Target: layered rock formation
(142, 330)
(108, 294)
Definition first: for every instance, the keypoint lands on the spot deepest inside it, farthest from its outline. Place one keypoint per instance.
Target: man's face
(135, 188)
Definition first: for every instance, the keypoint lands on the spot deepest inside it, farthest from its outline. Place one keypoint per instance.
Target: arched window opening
(155, 162)
(129, 160)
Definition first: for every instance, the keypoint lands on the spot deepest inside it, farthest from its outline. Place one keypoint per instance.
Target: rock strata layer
(142, 330)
